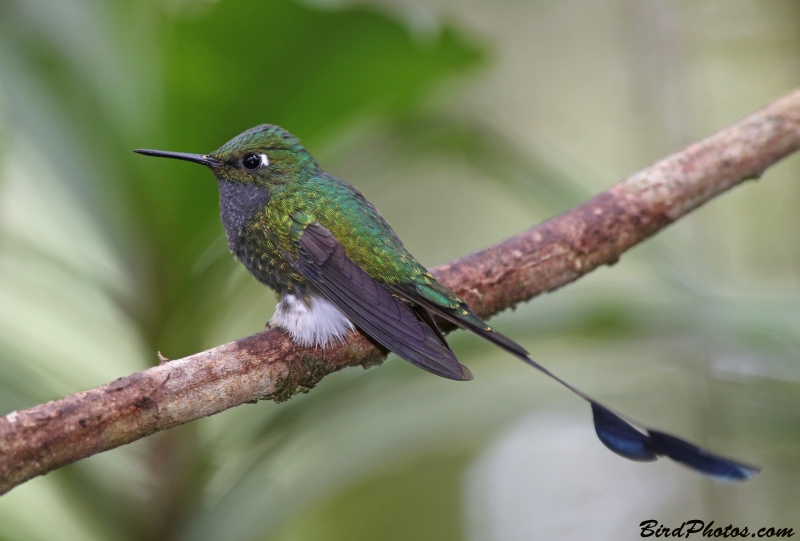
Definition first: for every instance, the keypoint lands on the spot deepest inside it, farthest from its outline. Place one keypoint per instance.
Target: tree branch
(268, 365)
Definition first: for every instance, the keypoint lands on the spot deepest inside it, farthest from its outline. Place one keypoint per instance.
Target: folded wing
(370, 305)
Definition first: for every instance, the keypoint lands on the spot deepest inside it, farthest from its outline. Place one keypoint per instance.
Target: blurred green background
(464, 122)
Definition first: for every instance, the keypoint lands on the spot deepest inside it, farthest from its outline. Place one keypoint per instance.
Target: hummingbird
(336, 265)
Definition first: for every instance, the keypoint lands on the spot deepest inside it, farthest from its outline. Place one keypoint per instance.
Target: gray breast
(238, 204)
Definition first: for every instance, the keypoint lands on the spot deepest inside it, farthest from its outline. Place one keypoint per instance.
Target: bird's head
(266, 155)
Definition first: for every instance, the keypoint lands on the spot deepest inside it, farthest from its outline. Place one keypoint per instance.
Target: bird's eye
(253, 161)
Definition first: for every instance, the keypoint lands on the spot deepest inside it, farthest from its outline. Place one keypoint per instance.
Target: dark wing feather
(371, 306)
(617, 434)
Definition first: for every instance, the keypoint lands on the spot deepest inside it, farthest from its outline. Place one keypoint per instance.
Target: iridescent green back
(300, 188)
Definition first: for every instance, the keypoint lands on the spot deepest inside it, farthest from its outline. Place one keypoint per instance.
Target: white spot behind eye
(264, 160)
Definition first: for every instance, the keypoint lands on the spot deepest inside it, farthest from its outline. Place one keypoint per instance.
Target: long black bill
(196, 158)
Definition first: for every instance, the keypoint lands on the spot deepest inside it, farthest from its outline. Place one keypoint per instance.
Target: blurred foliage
(464, 122)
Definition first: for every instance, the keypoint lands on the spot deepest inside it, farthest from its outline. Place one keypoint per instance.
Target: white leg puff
(317, 322)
